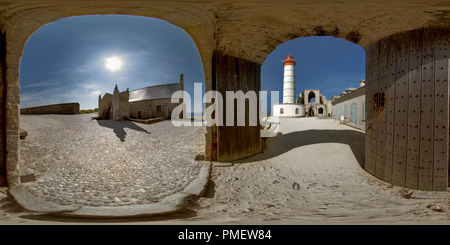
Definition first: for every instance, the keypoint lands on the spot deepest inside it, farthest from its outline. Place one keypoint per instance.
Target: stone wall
(123, 110)
(66, 108)
(148, 108)
(114, 106)
(104, 106)
(357, 98)
(2, 111)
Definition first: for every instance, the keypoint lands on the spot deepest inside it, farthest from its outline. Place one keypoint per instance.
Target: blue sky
(64, 61)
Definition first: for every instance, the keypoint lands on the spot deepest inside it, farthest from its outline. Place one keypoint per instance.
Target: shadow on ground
(180, 215)
(9, 205)
(119, 127)
(285, 142)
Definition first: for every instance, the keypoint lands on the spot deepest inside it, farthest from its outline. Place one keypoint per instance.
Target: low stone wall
(149, 121)
(67, 108)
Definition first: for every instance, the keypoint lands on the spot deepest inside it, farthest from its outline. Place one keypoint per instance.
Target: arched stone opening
(320, 110)
(17, 40)
(101, 146)
(311, 97)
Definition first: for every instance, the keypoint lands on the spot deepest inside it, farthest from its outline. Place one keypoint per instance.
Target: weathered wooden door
(407, 120)
(234, 74)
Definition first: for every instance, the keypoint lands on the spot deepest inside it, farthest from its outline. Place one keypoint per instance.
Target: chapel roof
(164, 91)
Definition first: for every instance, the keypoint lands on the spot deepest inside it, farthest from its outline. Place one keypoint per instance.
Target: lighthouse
(289, 80)
(289, 108)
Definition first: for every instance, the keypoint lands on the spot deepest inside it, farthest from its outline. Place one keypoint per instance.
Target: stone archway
(312, 95)
(11, 73)
(311, 111)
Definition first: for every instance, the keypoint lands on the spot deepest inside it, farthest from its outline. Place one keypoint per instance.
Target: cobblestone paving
(78, 160)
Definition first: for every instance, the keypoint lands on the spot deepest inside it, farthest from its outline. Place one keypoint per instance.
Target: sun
(113, 63)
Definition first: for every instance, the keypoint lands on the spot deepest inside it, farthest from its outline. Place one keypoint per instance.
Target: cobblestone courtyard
(83, 161)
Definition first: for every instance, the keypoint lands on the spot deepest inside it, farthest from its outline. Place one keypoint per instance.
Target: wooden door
(234, 74)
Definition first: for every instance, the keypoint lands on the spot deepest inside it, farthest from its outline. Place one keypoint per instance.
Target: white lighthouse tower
(289, 80)
(289, 108)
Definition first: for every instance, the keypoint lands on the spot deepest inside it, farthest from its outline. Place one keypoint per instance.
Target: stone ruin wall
(124, 111)
(104, 107)
(66, 108)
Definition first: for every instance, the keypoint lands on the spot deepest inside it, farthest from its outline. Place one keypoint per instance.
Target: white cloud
(41, 84)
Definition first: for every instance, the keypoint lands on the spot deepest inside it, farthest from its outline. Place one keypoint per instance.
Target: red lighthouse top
(289, 60)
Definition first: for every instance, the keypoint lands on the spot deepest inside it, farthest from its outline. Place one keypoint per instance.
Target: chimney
(361, 83)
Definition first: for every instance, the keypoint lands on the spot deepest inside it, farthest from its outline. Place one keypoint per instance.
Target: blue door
(354, 113)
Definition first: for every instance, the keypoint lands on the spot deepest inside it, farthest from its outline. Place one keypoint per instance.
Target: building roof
(164, 91)
(355, 93)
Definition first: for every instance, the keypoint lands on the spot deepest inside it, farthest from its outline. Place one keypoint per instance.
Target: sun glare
(113, 63)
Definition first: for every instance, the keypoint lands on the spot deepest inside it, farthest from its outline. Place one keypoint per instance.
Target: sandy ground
(308, 174)
(311, 173)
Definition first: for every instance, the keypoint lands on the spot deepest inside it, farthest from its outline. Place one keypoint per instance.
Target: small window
(158, 108)
(281, 111)
(378, 101)
(296, 111)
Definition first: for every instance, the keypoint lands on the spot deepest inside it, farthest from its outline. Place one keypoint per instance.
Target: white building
(351, 106)
(289, 108)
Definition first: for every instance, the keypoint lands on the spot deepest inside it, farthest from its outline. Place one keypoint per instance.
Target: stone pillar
(407, 109)
(10, 76)
(2, 110)
(234, 74)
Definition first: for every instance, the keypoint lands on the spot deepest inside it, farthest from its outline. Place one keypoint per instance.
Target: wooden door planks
(425, 175)
(390, 110)
(385, 49)
(441, 110)
(369, 165)
(401, 108)
(234, 74)
(223, 67)
(415, 77)
(409, 146)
